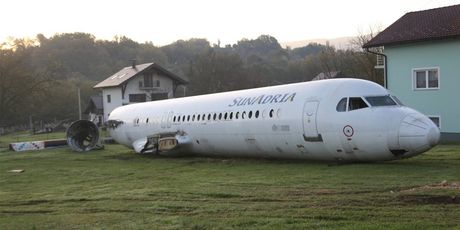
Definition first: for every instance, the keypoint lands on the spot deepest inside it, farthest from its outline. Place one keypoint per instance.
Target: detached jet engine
(82, 136)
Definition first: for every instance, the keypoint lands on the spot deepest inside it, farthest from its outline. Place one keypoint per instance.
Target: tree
(182, 52)
(367, 60)
(214, 72)
(265, 46)
(19, 86)
(308, 50)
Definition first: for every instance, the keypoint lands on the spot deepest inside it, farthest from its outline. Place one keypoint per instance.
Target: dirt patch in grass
(429, 199)
(442, 185)
(39, 202)
(101, 210)
(20, 212)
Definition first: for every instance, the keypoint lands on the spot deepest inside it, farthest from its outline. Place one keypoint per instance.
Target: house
(138, 83)
(95, 110)
(329, 75)
(421, 53)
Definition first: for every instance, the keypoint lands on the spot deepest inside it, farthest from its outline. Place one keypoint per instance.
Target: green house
(420, 55)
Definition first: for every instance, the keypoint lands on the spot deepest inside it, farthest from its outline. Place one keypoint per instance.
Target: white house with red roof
(138, 83)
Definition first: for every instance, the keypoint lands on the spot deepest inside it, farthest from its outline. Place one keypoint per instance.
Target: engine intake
(82, 136)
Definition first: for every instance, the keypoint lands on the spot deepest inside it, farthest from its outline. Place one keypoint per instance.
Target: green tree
(214, 72)
(20, 86)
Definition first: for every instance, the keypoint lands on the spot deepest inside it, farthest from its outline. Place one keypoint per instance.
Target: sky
(227, 21)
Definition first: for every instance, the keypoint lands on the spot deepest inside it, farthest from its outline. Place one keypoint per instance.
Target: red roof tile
(433, 24)
(129, 72)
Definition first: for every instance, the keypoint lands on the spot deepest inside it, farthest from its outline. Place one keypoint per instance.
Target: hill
(339, 43)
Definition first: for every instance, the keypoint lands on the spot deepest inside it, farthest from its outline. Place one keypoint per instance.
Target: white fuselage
(320, 120)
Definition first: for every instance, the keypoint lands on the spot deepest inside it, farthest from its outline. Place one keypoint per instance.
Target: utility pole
(31, 124)
(79, 102)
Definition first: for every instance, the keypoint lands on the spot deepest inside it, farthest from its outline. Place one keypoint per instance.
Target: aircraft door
(170, 117)
(164, 120)
(310, 128)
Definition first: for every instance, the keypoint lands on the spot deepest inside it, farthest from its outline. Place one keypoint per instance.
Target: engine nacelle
(82, 136)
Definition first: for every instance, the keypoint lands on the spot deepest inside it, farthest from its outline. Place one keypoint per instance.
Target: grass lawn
(118, 189)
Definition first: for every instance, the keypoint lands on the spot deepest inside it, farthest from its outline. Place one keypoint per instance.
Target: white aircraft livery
(326, 120)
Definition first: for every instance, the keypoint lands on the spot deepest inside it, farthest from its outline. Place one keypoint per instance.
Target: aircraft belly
(259, 145)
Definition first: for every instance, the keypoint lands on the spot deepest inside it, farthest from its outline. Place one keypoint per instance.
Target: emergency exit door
(310, 126)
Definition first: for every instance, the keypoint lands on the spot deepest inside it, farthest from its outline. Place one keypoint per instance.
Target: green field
(118, 189)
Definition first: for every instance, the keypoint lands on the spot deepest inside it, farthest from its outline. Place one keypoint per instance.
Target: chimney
(133, 63)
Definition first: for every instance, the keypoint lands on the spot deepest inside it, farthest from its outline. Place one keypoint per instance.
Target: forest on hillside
(39, 77)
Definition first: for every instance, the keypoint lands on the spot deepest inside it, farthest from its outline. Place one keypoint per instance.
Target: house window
(137, 97)
(109, 99)
(436, 120)
(158, 96)
(148, 80)
(427, 78)
(157, 83)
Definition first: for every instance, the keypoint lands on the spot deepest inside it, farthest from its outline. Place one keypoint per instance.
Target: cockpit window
(381, 101)
(342, 105)
(355, 103)
(397, 100)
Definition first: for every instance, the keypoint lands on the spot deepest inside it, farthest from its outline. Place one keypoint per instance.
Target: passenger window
(231, 115)
(257, 114)
(237, 115)
(356, 103)
(198, 117)
(220, 116)
(225, 116)
(342, 105)
(215, 116)
(183, 118)
(188, 118)
(250, 115)
(209, 117)
(193, 117)
(272, 112)
(243, 114)
(147, 120)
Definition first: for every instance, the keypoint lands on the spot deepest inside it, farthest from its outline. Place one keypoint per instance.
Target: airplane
(327, 120)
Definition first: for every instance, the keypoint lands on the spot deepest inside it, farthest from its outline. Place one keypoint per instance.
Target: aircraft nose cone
(433, 136)
(417, 134)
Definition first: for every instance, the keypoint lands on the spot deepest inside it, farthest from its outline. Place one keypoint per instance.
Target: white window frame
(435, 116)
(426, 69)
